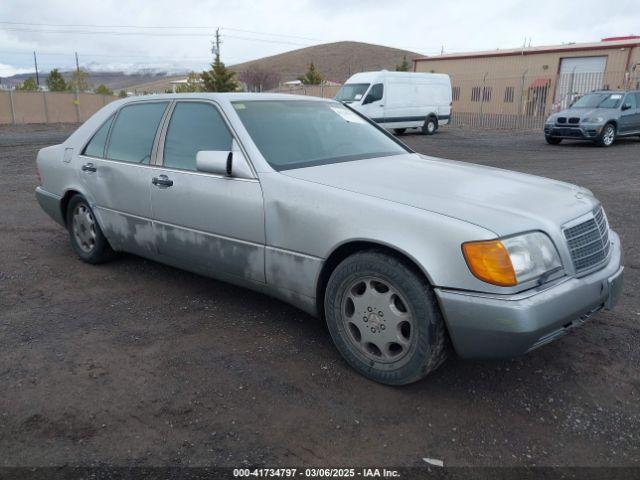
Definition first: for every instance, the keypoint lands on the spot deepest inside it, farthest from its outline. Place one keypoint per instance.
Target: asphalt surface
(136, 363)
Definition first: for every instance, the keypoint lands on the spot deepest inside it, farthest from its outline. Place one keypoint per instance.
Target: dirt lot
(135, 363)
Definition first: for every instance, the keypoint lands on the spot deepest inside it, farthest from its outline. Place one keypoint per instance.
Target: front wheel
(399, 131)
(608, 136)
(85, 234)
(384, 319)
(552, 140)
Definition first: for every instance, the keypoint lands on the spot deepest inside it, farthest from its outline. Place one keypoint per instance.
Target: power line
(161, 27)
(149, 34)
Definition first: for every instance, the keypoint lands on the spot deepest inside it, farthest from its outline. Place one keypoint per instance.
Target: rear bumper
(50, 203)
(495, 326)
(584, 132)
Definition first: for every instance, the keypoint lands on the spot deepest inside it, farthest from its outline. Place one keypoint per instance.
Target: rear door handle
(162, 181)
(88, 167)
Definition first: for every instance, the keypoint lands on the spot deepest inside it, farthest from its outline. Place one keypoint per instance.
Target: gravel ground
(136, 363)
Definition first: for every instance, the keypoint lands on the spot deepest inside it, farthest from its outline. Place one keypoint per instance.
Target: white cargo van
(400, 100)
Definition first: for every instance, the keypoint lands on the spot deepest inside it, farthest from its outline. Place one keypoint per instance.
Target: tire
(608, 136)
(399, 131)
(400, 349)
(86, 236)
(552, 140)
(430, 126)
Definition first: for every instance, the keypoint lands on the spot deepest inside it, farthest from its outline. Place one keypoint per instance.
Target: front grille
(567, 132)
(574, 120)
(589, 241)
(562, 120)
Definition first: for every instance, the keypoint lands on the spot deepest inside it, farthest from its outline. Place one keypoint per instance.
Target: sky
(176, 35)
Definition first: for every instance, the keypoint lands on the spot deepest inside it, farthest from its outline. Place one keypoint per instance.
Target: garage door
(579, 75)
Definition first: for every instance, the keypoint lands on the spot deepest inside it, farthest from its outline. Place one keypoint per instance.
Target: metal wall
(520, 91)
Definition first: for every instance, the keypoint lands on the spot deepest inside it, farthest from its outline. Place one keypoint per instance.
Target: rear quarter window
(95, 147)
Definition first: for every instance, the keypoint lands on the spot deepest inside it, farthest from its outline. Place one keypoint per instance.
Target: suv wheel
(552, 140)
(384, 319)
(608, 136)
(85, 234)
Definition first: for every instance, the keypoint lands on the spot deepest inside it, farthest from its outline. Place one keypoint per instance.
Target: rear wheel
(399, 131)
(384, 319)
(430, 126)
(85, 234)
(552, 140)
(608, 136)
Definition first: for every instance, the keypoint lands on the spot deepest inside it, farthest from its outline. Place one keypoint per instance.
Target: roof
(224, 97)
(570, 47)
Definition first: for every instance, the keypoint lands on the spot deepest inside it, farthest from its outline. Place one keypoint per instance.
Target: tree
(56, 82)
(219, 78)
(122, 94)
(194, 84)
(312, 77)
(29, 85)
(79, 81)
(404, 66)
(102, 89)
(259, 79)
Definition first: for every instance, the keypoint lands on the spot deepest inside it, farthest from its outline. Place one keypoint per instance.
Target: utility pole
(35, 62)
(77, 100)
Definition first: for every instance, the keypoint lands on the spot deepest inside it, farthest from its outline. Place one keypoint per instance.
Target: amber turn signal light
(490, 262)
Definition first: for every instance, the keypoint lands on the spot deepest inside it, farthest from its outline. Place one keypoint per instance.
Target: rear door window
(95, 147)
(194, 126)
(134, 131)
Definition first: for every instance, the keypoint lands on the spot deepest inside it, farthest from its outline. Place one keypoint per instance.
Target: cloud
(422, 26)
(9, 70)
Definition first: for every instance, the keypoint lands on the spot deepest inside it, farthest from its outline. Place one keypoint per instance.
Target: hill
(335, 61)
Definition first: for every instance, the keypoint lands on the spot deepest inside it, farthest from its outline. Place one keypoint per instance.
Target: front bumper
(499, 326)
(579, 132)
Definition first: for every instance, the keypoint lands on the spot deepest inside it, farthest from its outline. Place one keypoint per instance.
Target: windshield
(599, 100)
(351, 92)
(303, 133)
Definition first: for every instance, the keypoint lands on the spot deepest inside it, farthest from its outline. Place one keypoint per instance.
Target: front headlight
(512, 260)
(593, 120)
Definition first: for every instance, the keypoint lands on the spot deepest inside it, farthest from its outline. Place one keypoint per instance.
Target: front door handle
(162, 181)
(88, 167)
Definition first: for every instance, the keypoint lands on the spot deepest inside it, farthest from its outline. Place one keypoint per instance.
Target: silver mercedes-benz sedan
(406, 256)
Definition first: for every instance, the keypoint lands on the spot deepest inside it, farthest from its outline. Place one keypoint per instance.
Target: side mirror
(215, 161)
(224, 162)
(626, 106)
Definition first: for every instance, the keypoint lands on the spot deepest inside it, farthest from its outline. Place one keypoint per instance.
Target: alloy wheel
(84, 228)
(378, 320)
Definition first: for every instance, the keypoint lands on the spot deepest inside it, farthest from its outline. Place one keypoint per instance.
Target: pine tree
(29, 85)
(219, 78)
(404, 66)
(312, 77)
(56, 82)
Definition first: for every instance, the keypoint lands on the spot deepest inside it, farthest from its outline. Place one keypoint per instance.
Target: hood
(502, 201)
(587, 112)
